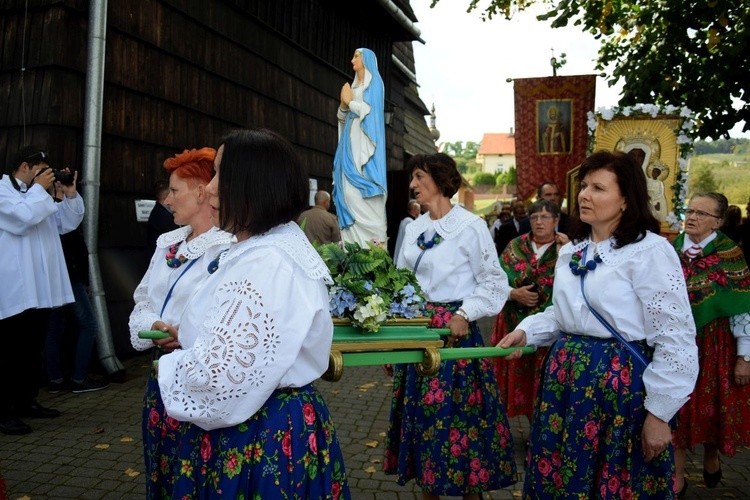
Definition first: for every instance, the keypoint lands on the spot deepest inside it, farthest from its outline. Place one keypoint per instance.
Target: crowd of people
(642, 344)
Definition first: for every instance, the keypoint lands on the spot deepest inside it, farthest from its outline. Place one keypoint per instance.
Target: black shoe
(13, 426)
(35, 410)
(55, 387)
(681, 494)
(712, 478)
(88, 385)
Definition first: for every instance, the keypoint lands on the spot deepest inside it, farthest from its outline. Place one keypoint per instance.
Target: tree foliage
(722, 146)
(484, 179)
(702, 179)
(690, 53)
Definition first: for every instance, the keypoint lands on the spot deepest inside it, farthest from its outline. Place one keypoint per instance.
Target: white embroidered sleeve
(670, 377)
(491, 292)
(541, 328)
(740, 325)
(250, 338)
(144, 314)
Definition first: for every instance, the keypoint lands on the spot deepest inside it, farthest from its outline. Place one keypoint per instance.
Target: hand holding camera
(63, 181)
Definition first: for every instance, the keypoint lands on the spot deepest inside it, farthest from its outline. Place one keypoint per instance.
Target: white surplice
(33, 273)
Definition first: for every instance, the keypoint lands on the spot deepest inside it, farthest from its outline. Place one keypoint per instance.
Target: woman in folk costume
(359, 182)
(183, 259)
(254, 337)
(529, 262)
(449, 431)
(623, 358)
(718, 413)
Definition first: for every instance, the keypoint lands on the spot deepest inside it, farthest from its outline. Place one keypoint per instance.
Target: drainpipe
(92, 149)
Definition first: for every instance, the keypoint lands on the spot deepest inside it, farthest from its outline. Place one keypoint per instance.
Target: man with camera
(37, 204)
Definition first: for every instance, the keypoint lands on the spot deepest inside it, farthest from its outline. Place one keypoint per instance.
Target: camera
(65, 178)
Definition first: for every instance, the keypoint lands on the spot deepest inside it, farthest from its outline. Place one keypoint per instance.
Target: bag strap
(606, 324)
(171, 289)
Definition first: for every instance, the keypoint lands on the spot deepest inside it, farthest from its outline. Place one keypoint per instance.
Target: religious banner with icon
(659, 139)
(551, 135)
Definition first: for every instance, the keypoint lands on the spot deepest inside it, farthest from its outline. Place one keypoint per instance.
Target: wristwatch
(465, 316)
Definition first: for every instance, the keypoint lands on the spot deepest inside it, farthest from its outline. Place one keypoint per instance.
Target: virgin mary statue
(359, 182)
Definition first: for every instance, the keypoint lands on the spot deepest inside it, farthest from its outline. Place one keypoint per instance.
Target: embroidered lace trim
(289, 238)
(196, 247)
(449, 226)
(230, 360)
(614, 256)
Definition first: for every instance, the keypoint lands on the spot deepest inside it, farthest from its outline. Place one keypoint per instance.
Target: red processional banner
(551, 132)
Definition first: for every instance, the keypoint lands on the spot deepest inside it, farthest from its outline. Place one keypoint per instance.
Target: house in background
(497, 153)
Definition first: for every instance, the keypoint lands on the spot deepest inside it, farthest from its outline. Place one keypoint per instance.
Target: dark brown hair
(637, 218)
(442, 169)
(261, 182)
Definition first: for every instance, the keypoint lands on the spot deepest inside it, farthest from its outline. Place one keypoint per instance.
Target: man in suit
(550, 191)
(320, 225)
(160, 220)
(512, 228)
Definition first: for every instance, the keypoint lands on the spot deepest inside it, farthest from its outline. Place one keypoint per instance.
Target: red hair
(196, 166)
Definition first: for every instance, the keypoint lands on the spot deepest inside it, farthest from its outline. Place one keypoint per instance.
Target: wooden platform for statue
(398, 341)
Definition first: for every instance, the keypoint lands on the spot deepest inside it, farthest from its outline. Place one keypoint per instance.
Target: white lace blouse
(259, 323)
(640, 290)
(150, 294)
(462, 267)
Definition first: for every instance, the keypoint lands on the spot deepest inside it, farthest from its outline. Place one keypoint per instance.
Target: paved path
(93, 451)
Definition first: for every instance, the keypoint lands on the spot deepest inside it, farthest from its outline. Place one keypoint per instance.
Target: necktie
(693, 251)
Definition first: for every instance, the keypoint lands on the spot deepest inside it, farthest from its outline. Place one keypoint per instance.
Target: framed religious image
(554, 126)
(652, 142)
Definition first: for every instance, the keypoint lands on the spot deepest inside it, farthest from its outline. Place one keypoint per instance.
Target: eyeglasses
(41, 154)
(543, 218)
(699, 214)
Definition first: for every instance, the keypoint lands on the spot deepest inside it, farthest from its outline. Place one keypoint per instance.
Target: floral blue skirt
(160, 441)
(449, 431)
(287, 450)
(586, 433)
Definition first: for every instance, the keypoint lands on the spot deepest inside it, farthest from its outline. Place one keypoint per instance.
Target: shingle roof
(498, 144)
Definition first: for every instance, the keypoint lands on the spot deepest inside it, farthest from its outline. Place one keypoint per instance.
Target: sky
(464, 65)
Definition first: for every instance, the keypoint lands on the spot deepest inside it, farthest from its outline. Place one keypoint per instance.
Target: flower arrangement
(368, 288)
(686, 136)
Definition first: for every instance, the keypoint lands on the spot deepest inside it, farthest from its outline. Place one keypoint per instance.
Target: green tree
(702, 178)
(677, 52)
(472, 148)
(500, 179)
(483, 179)
(510, 177)
(461, 165)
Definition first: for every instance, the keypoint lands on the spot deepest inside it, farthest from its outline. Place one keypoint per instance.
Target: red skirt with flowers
(518, 379)
(719, 410)
(449, 431)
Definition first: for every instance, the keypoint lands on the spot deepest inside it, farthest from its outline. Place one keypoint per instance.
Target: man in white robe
(34, 210)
